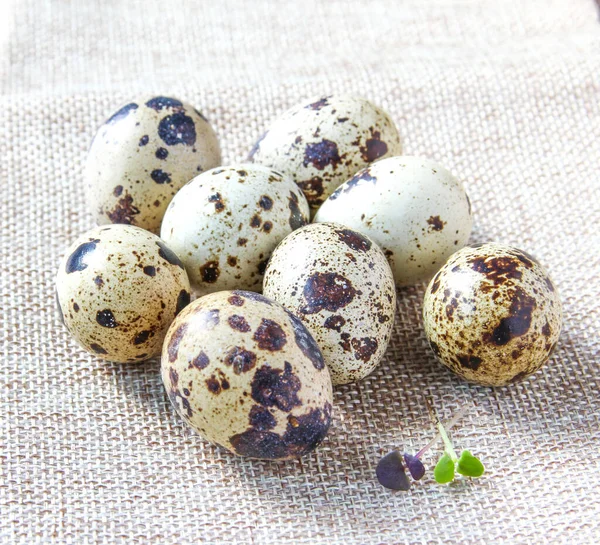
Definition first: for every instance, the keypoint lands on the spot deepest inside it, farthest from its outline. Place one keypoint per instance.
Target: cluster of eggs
(254, 372)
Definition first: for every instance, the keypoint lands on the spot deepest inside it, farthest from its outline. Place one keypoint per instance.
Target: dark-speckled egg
(247, 375)
(492, 314)
(324, 141)
(226, 223)
(118, 289)
(414, 208)
(142, 155)
(338, 282)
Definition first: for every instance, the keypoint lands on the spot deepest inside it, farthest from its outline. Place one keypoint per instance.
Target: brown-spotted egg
(492, 314)
(340, 285)
(324, 141)
(118, 289)
(142, 155)
(225, 223)
(247, 375)
(414, 208)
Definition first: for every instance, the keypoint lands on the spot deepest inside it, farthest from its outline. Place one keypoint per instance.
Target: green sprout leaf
(469, 465)
(444, 470)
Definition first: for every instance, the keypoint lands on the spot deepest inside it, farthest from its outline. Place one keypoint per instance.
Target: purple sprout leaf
(390, 472)
(415, 466)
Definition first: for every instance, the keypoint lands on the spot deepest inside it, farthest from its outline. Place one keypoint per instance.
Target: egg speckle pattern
(226, 222)
(118, 289)
(324, 141)
(246, 374)
(414, 208)
(142, 156)
(340, 285)
(492, 314)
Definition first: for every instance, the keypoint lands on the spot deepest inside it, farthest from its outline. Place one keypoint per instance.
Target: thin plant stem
(449, 425)
(448, 447)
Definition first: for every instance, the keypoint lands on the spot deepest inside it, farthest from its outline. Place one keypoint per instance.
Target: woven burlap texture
(505, 95)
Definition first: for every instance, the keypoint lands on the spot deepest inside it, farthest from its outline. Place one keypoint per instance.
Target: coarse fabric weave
(505, 94)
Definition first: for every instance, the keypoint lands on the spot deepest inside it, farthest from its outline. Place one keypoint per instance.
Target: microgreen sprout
(467, 465)
(391, 469)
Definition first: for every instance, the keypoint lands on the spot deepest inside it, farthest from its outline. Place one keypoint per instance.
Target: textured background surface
(507, 97)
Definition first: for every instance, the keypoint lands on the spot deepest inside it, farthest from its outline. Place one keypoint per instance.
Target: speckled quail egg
(324, 141)
(247, 375)
(492, 314)
(340, 285)
(226, 222)
(118, 289)
(414, 208)
(141, 157)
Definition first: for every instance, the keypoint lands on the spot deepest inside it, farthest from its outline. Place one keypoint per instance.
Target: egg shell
(226, 223)
(118, 289)
(414, 208)
(492, 314)
(326, 140)
(142, 155)
(246, 375)
(340, 285)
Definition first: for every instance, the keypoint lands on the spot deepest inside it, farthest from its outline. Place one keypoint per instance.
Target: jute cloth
(505, 94)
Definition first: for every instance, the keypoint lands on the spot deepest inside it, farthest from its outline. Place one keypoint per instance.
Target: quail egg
(414, 208)
(247, 375)
(118, 289)
(492, 314)
(324, 141)
(141, 157)
(225, 223)
(340, 285)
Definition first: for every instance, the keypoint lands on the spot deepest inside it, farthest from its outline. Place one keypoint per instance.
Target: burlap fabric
(506, 95)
